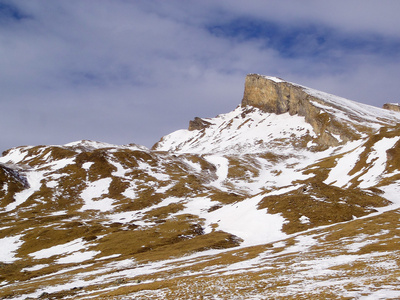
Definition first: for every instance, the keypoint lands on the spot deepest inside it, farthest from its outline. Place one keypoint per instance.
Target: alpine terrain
(293, 195)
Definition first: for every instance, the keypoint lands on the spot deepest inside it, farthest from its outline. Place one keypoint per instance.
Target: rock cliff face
(275, 95)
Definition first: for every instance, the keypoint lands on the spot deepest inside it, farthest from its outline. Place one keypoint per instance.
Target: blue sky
(124, 72)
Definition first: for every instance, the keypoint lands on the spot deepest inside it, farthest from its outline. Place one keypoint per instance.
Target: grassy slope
(346, 259)
(341, 261)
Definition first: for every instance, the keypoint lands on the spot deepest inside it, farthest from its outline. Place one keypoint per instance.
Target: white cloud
(348, 15)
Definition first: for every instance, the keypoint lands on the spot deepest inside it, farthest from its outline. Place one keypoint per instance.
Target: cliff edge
(334, 119)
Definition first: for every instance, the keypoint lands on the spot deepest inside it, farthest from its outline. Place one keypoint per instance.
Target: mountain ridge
(247, 192)
(334, 120)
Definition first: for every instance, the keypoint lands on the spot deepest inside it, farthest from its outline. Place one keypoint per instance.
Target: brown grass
(322, 204)
(166, 234)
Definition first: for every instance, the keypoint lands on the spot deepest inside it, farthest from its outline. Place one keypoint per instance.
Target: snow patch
(77, 257)
(87, 165)
(15, 155)
(243, 219)
(274, 79)
(34, 268)
(8, 246)
(61, 163)
(95, 190)
(304, 220)
(222, 165)
(66, 248)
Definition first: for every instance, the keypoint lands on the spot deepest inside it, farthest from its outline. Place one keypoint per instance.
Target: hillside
(293, 195)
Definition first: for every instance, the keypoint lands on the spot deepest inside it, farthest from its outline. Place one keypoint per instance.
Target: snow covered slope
(244, 130)
(249, 204)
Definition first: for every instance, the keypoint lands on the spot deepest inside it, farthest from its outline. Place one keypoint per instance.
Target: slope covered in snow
(244, 130)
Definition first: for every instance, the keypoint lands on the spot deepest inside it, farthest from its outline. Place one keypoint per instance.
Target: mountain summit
(275, 112)
(335, 120)
(294, 188)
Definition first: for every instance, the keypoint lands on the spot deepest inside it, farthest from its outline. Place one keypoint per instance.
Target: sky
(121, 71)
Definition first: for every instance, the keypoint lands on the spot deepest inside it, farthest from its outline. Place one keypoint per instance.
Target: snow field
(242, 219)
(73, 246)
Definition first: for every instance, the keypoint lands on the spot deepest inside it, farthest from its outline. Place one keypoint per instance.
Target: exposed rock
(275, 95)
(15, 172)
(198, 124)
(392, 106)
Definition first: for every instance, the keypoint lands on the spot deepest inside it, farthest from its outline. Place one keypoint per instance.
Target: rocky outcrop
(16, 173)
(392, 106)
(275, 95)
(198, 124)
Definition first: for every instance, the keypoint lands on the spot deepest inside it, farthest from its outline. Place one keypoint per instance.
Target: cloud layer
(132, 71)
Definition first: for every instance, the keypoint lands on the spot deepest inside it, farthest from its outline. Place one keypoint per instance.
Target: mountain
(293, 195)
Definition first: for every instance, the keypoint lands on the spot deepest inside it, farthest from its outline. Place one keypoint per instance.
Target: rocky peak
(275, 95)
(271, 94)
(335, 120)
